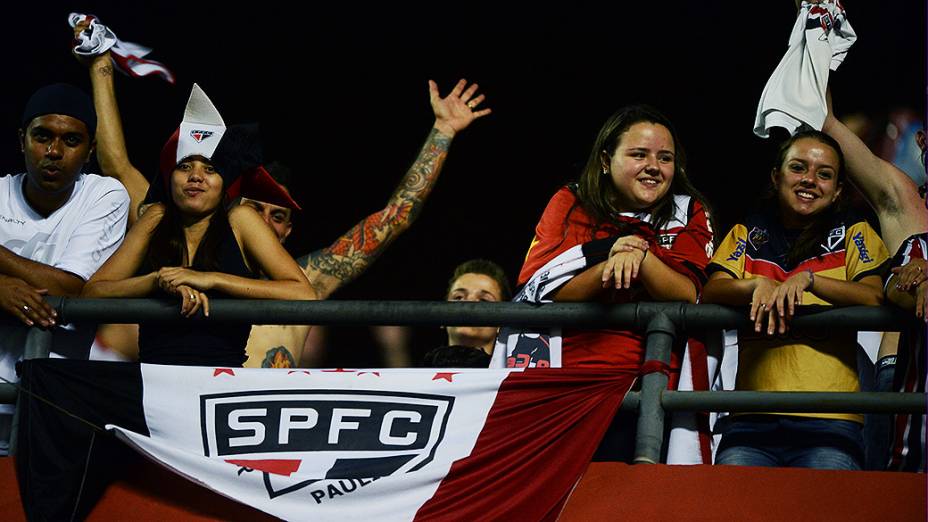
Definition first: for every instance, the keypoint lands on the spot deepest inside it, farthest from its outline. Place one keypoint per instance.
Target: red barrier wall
(608, 491)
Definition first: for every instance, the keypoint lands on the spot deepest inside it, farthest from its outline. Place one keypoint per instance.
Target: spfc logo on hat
(200, 135)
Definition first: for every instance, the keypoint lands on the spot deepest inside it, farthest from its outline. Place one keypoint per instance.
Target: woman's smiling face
(807, 181)
(642, 166)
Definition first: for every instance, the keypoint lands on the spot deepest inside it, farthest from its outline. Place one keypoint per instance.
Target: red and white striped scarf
(129, 57)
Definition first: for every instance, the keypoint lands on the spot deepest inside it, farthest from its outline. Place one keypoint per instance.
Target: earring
(605, 171)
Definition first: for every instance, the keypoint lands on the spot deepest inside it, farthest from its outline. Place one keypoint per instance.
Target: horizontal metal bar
(433, 313)
(795, 402)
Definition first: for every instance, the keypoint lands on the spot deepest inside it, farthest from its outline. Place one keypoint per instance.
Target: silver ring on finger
(26, 308)
(193, 296)
(471, 105)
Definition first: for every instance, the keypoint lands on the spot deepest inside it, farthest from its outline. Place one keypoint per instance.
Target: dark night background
(340, 91)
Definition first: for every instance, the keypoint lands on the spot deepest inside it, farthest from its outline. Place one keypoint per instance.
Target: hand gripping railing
(661, 322)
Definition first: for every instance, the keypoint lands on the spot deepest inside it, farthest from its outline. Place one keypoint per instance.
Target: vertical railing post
(660, 334)
(38, 346)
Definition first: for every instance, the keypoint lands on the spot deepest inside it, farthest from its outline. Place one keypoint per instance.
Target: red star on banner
(298, 371)
(339, 370)
(220, 371)
(371, 373)
(444, 375)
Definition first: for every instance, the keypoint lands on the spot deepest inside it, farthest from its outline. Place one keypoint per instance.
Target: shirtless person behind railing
(346, 258)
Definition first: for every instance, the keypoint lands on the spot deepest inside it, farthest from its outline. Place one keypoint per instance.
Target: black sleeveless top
(195, 343)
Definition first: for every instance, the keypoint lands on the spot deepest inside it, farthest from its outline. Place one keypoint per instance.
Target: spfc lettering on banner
(324, 434)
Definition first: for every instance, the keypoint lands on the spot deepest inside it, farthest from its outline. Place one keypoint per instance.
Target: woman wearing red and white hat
(187, 245)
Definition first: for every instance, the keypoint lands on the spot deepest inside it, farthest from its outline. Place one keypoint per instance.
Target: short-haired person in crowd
(635, 198)
(348, 256)
(187, 245)
(800, 249)
(477, 280)
(57, 225)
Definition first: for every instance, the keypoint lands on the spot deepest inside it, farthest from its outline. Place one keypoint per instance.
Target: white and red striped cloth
(419, 444)
(128, 57)
(795, 93)
(909, 431)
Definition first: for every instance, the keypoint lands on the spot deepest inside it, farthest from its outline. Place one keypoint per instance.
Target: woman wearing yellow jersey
(801, 249)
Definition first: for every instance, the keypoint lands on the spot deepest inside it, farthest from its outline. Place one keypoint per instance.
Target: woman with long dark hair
(800, 249)
(187, 245)
(633, 228)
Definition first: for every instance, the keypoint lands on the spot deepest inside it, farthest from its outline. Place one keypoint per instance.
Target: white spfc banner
(463, 444)
(320, 444)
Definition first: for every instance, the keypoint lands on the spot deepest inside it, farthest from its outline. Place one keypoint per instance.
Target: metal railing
(661, 323)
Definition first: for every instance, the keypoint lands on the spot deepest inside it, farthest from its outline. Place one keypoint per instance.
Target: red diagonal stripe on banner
(526, 473)
(369, 373)
(340, 370)
(448, 376)
(298, 371)
(276, 466)
(220, 371)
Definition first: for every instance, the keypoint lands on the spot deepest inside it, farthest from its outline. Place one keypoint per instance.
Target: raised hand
(455, 112)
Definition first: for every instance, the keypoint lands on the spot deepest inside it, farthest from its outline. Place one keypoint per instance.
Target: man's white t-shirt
(76, 238)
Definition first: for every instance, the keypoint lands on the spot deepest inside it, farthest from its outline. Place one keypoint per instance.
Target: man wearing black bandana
(57, 224)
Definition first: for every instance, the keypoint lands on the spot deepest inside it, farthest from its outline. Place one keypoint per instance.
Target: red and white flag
(459, 444)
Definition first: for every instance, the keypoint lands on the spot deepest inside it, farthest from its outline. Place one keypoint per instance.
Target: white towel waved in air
(795, 94)
(128, 57)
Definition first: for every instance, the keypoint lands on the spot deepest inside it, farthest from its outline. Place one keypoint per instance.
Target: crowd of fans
(631, 228)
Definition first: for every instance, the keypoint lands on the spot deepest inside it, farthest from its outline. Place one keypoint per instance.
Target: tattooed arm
(350, 255)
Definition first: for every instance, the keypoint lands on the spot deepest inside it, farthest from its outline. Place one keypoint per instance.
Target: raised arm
(351, 254)
(891, 193)
(111, 145)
